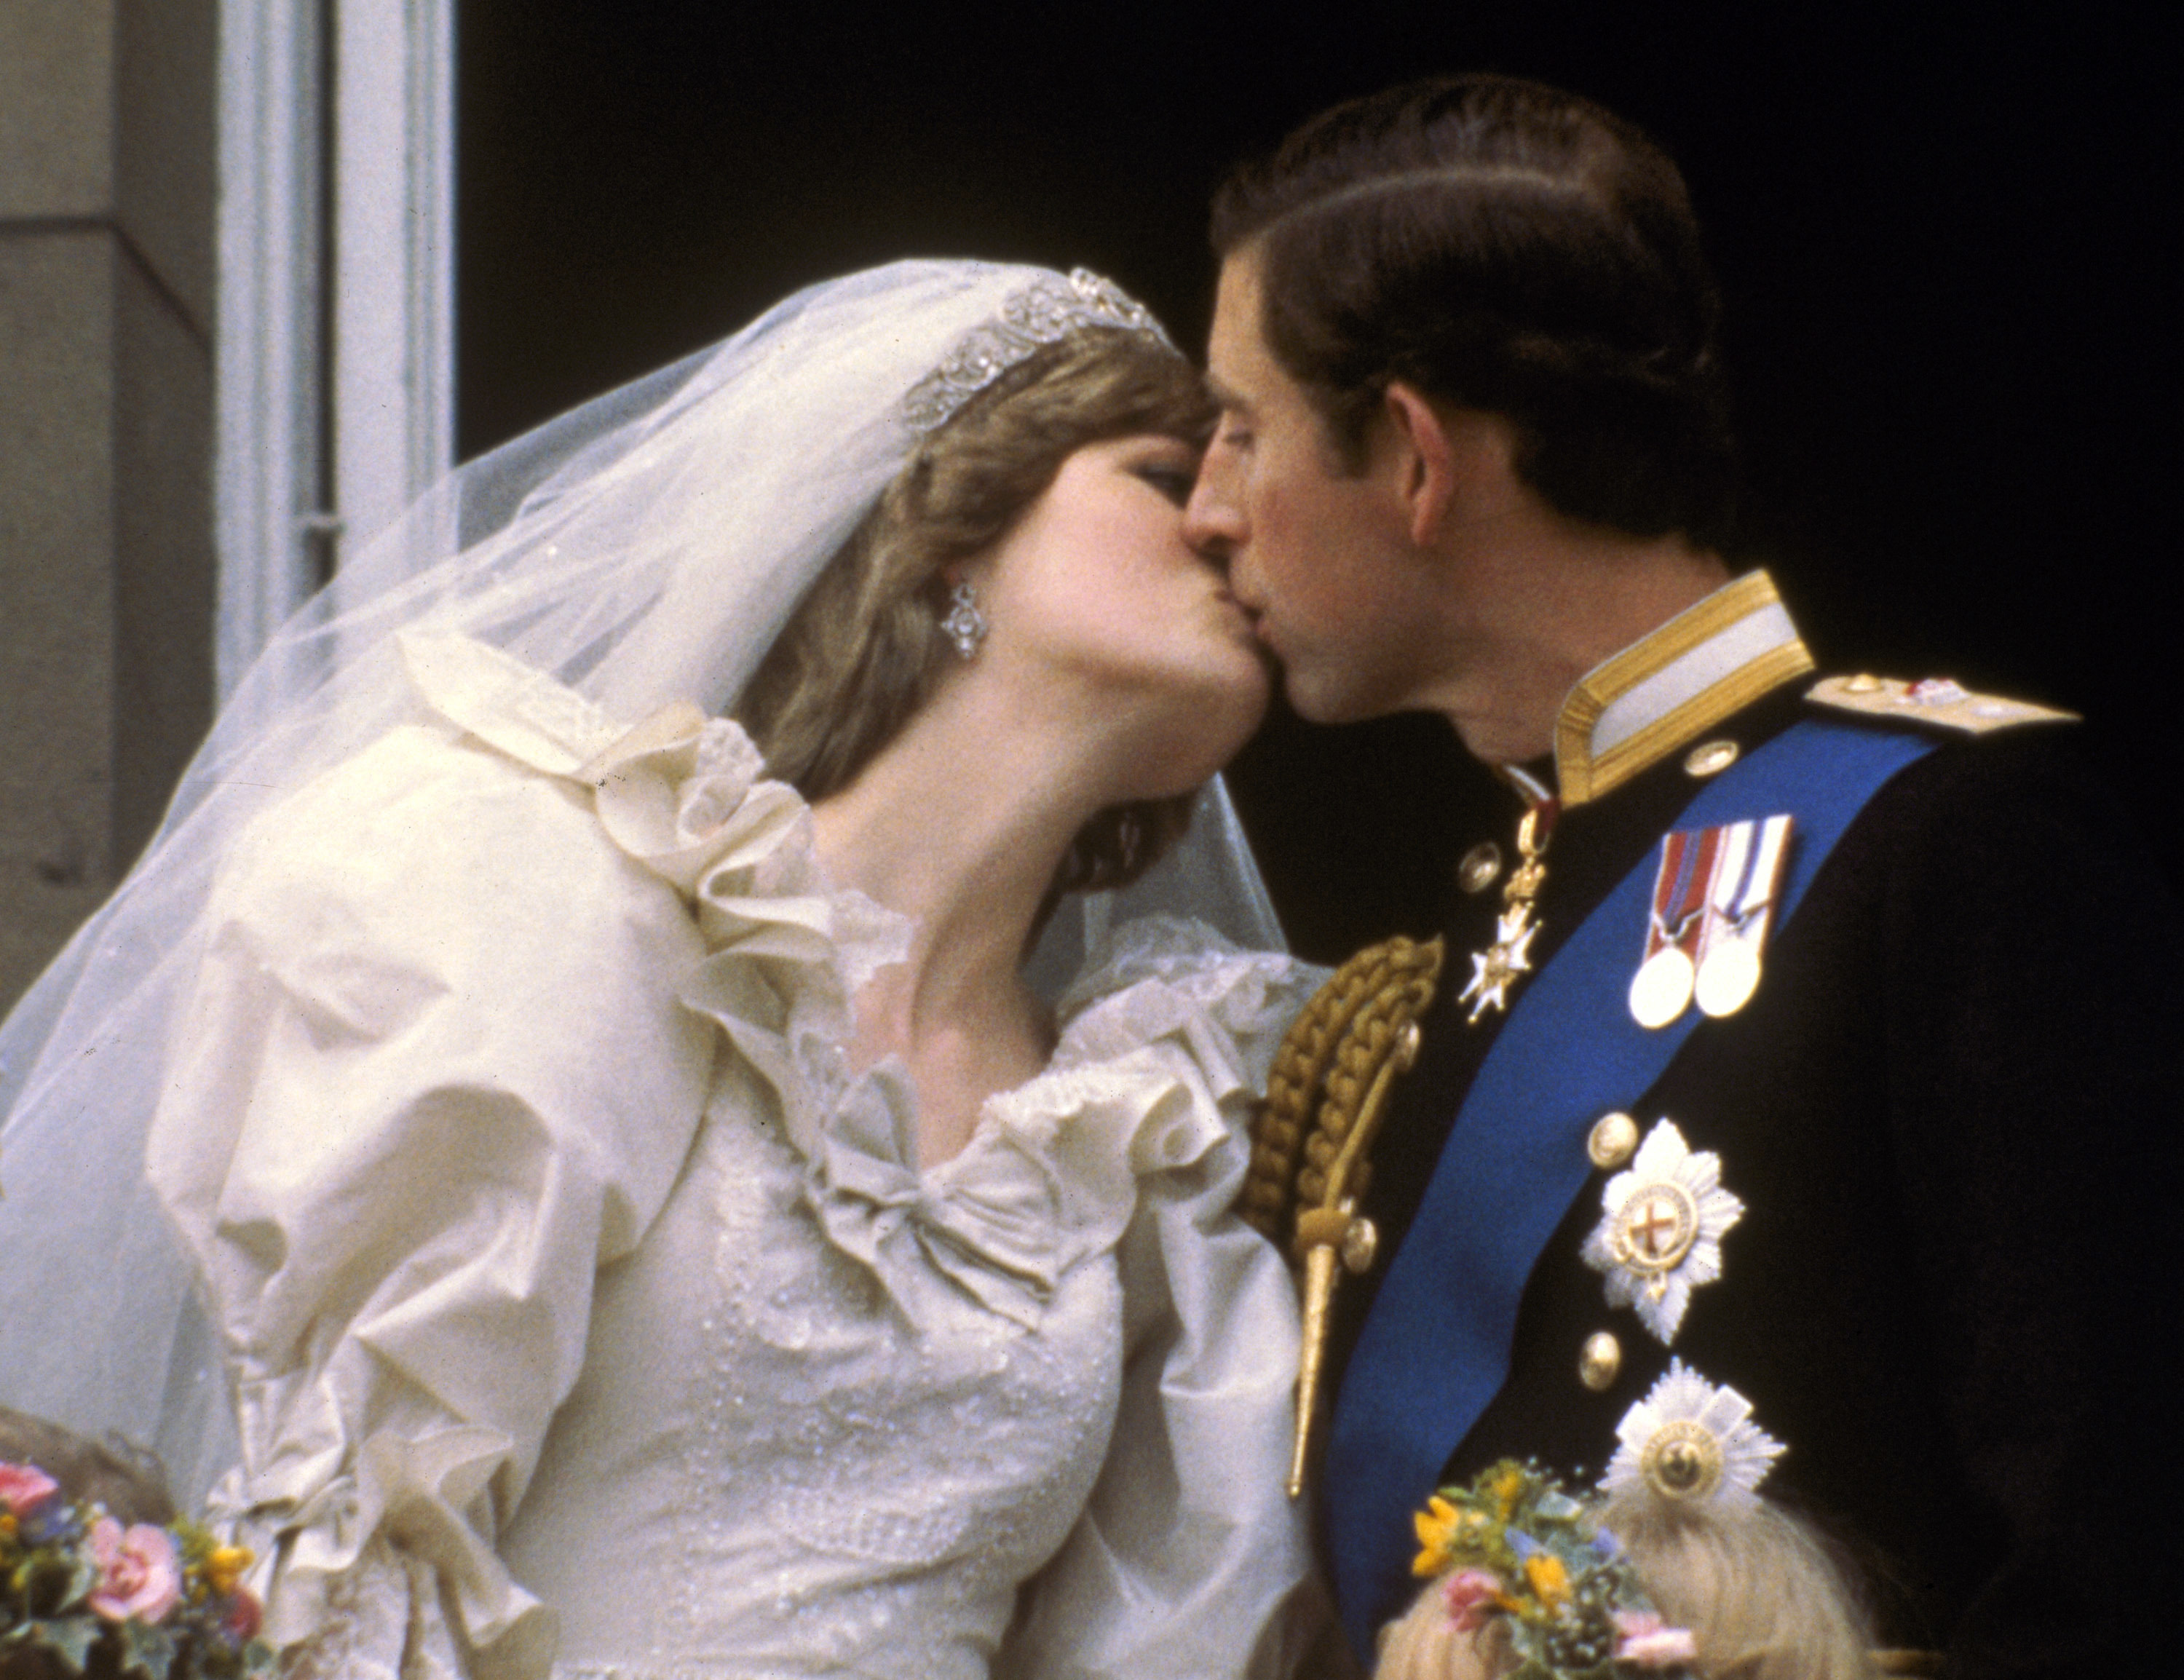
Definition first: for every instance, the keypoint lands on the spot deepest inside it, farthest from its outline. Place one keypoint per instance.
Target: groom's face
(1313, 550)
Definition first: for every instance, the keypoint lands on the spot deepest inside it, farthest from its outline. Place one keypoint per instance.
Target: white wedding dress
(585, 1310)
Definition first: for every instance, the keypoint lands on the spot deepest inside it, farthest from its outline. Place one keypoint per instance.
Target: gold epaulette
(1935, 700)
(1325, 1095)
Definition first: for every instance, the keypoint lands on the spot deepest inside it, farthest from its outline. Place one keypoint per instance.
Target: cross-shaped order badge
(1713, 899)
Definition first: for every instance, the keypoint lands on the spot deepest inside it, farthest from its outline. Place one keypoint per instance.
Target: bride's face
(1094, 593)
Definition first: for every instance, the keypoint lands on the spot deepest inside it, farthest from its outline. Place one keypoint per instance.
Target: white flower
(1660, 1236)
(1688, 1439)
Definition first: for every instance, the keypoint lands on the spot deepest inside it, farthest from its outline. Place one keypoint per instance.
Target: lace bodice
(676, 1364)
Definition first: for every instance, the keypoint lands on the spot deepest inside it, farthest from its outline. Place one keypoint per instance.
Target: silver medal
(1729, 977)
(1661, 990)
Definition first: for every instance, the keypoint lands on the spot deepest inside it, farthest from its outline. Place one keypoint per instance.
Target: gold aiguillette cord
(1358, 1033)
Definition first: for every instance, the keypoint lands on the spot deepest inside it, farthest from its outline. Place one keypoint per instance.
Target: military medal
(1661, 989)
(1661, 1222)
(1713, 896)
(1688, 1439)
(1494, 970)
(1739, 909)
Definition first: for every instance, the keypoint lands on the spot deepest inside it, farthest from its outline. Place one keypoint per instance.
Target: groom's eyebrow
(1226, 396)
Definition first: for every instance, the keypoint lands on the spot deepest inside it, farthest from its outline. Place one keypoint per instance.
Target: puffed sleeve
(434, 1075)
(1189, 1559)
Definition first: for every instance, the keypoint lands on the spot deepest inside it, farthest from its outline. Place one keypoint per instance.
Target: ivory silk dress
(585, 1311)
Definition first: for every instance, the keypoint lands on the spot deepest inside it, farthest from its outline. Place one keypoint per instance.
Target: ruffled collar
(1149, 1073)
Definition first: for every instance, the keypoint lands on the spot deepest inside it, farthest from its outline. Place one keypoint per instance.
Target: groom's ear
(1424, 467)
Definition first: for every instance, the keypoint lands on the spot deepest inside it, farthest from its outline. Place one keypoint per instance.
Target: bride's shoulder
(507, 788)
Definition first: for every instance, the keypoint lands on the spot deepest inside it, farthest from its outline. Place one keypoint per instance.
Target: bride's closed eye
(1171, 481)
(1171, 467)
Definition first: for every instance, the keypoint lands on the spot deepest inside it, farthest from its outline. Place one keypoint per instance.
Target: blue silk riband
(1436, 1347)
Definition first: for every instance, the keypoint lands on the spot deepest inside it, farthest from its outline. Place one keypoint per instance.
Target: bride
(651, 1220)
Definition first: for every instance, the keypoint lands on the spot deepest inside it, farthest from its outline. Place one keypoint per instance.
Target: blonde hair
(865, 646)
(1764, 1596)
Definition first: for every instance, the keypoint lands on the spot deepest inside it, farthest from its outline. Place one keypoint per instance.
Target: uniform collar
(1634, 708)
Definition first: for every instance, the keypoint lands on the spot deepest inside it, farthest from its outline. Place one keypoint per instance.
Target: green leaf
(145, 1650)
(68, 1638)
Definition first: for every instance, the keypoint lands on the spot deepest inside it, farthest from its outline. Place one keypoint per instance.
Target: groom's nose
(1214, 520)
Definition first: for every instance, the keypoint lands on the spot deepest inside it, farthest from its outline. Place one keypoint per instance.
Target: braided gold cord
(1347, 1047)
(1331, 1051)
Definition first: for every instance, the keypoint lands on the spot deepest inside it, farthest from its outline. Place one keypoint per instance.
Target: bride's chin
(1200, 744)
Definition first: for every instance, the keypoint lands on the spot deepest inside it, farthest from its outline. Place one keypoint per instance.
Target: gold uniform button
(1710, 758)
(1613, 1141)
(1360, 1242)
(1480, 864)
(1599, 1361)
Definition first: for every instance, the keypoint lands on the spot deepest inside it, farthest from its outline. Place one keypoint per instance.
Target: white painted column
(394, 305)
(336, 346)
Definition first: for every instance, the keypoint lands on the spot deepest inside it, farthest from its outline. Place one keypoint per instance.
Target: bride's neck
(960, 824)
(961, 828)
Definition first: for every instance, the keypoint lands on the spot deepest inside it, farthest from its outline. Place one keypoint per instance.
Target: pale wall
(106, 569)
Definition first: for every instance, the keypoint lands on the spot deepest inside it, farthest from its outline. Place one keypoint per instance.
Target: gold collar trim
(1632, 710)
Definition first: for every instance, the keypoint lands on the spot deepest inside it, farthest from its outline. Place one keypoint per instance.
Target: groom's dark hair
(1505, 245)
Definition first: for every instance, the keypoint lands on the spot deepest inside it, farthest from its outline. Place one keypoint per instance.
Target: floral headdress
(162, 1603)
(1514, 1546)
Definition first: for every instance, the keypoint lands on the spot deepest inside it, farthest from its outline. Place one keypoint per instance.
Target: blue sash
(1436, 1347)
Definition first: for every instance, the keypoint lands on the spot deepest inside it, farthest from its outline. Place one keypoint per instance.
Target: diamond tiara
(1044, 312)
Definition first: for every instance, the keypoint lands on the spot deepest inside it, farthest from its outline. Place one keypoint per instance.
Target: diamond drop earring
(965, 624)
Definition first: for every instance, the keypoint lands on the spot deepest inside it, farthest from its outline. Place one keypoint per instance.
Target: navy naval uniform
(1948, 1110)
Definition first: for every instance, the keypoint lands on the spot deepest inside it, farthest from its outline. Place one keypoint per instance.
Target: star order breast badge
(1660, 1231)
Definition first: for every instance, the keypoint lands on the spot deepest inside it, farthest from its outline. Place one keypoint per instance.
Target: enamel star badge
(1659, 1236)
(1688, 1439)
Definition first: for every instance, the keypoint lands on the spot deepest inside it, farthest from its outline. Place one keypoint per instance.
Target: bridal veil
(643, 548)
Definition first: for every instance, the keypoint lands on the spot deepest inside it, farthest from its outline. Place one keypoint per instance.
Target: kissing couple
(672, 1097)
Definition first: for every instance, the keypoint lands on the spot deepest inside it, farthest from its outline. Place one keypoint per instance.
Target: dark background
(1944, 235)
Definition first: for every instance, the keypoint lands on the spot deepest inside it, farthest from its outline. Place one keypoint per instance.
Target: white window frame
(335, 383)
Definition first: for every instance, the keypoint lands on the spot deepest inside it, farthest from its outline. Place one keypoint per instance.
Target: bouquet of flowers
(1515, 1547)
(82, 1595)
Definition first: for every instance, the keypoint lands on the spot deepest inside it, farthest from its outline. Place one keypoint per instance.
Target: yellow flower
(1509, 1483)
(7, 1525)
(1436, 1525)
(1549, 1581)
(224, 1567)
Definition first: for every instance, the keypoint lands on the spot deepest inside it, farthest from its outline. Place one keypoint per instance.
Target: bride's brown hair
(864, 646)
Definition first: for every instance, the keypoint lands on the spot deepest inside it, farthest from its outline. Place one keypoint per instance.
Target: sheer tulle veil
(643, 548)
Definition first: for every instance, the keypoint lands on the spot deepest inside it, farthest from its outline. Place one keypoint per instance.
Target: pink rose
(245, 1615)
(1650, 1643)
(139, 1574)
(1472, 1595)
(23, 1488)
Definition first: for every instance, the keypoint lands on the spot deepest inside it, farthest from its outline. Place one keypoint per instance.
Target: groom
(1872, 954)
